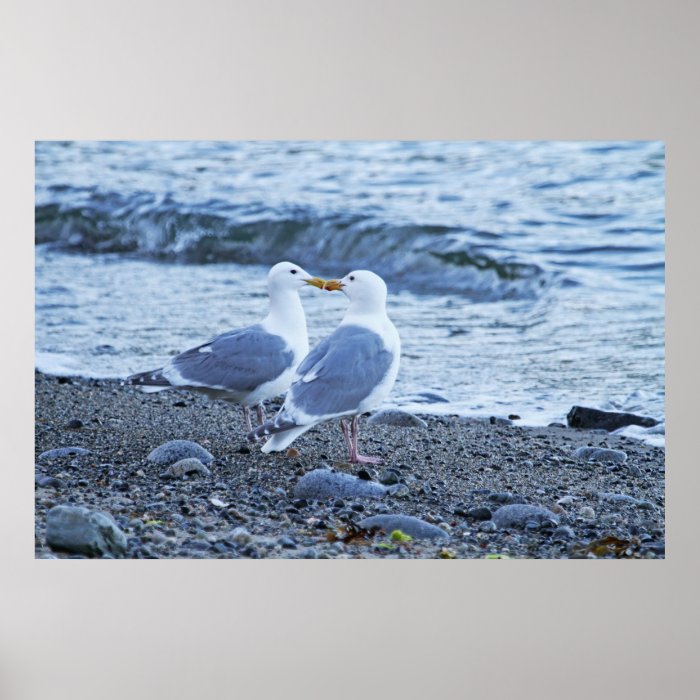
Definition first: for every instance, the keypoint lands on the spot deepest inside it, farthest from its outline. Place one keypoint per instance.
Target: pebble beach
(120, 473)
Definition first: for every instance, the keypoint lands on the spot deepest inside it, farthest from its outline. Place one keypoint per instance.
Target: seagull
(247, 365)
(348, 373)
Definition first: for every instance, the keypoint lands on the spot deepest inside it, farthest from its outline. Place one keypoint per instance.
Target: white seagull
(246, 365)
(350, 372)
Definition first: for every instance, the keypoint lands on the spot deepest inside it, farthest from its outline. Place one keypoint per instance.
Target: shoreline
(454, 474)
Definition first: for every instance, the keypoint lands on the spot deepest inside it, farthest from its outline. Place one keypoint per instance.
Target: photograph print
(349, 350)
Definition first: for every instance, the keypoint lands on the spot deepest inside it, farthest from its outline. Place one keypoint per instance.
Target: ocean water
(524, 277)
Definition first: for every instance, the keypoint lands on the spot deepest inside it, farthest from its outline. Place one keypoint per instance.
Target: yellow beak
(316, 282)
(333, 285)
(328, 285)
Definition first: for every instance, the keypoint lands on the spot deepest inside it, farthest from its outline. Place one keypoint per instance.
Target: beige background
(504, 69)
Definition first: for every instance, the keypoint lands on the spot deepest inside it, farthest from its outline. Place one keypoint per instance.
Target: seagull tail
(281, 440)
(154, 380)
(283, 432)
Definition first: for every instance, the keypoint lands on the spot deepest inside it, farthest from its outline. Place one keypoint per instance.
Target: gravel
(253, 505)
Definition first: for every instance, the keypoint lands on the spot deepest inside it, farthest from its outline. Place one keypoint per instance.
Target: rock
(74, 424)
(566, 500)
(563, 532)
(400, 419)
(48, 482)
(183, 467)
(241, 536)
(592, 418)
(519, 514)
(487, 526)
(77, 529)
(600, 454)
(399, 491)
(618, 498)
(505, 497)
(389, 477)
(481, 513)
(320, 484)
(498, 420)
(64, 452)
(414, 527)
(587, 513)
(175, 450)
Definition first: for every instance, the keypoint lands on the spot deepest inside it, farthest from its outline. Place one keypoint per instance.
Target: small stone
(480, 513)
(487, 526)
(416, 528)
(498, 420)
(566, 500)
(618, 498)
(74, 424)
(80, 530)
(64, 452)
(48, 482)
(518, 515)
(400, 419)
(176, 450)
(287, 542)
(389, 477)
(399, 491)
(563, 532)
(505, 498)
(600, 454)
(320, 484)
(587, 513)
(241, 536)
(184, 467)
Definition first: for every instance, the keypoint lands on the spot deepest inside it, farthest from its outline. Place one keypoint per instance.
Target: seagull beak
(333, 285)
(316, 282)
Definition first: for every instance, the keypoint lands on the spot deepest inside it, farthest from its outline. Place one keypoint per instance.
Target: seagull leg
(246, 415)
(260, 411)
(355, 456)
(346, 434)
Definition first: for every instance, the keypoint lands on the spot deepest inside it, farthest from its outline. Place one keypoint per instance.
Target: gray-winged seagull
(247, 365)
(350, 372)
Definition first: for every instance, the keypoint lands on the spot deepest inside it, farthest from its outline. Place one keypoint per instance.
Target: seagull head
(288, 276)
(364, 288)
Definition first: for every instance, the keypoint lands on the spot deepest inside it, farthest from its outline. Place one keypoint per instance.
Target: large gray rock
(600, 454)
(400, 419)
(64, 452)
(520, 514)
(175, 450)
(77, 529)
(416, 528)
(592, 418)
(324, 483)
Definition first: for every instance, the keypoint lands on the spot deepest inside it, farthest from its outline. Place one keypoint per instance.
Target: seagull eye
(352, 278)
(293, 272)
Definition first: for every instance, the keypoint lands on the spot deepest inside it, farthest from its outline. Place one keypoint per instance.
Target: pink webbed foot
(363, 459)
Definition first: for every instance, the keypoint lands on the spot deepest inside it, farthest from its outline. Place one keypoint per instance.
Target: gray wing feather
(239, 360)
(340, 372)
